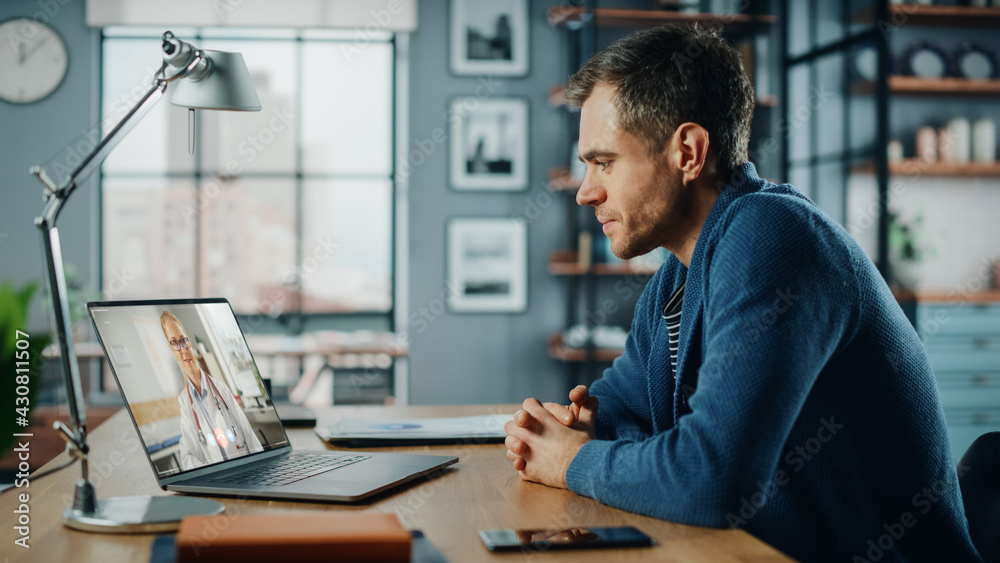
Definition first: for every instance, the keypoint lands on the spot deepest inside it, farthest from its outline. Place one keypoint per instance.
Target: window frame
(290, 323)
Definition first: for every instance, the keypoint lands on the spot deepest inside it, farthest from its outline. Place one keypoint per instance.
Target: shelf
(623, 269)
(916, 86)
(988, 297)
(913, 168)
(557, 96)
(565, 263)
(767, 102)
(561, 180)
(559, 351)
(934, 16)
(612, 17)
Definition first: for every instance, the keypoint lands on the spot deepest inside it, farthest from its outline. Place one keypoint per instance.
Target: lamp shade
(227, 87)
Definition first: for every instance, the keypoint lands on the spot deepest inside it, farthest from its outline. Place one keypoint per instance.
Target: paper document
(417, 430)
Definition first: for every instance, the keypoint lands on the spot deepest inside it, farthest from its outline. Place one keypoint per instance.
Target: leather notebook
(320, 536)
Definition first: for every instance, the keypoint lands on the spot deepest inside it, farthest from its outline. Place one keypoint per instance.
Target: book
(303, 538)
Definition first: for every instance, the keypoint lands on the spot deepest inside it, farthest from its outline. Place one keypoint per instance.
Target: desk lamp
(202, 80)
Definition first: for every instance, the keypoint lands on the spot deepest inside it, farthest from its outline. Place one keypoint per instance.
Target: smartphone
(572, 538)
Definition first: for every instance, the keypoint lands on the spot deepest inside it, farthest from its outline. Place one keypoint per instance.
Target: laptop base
(353, 483)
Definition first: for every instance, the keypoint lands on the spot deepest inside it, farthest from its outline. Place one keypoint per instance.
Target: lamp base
(138, 515)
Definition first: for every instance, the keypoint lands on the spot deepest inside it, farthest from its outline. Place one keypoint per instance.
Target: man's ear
(691, 145)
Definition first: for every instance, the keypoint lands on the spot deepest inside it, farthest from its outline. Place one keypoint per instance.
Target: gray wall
(39, 134)
(457, 358)
(483, 358)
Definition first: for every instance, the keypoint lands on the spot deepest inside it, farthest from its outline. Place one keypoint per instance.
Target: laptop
(204, 416)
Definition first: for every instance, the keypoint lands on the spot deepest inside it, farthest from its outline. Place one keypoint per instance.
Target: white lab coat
(194, 453)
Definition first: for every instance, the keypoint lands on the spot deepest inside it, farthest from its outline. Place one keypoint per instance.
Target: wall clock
(33, 60)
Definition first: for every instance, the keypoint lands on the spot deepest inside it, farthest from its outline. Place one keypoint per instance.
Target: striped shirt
(672, 315)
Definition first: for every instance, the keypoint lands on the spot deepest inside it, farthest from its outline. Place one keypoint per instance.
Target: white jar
(927, 141)
(984, 141)
(961, 136)
(894, 151)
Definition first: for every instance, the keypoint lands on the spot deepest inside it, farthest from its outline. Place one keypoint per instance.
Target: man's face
(185, 356)
(635, 195)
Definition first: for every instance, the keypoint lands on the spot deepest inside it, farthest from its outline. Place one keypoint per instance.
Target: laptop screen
(188, 380)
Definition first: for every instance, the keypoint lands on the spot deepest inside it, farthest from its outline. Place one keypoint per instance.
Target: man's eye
(603, 165)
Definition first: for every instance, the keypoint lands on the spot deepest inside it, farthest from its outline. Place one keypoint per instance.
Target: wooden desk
(482, 492)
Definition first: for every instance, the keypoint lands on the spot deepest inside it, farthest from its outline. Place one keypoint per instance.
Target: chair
(979, 479)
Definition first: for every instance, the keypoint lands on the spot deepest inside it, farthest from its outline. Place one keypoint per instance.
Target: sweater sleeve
(776, 306)
(622, 390)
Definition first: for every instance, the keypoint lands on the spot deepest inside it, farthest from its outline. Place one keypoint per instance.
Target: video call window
(189, 382)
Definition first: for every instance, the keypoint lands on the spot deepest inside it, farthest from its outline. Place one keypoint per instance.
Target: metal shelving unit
(873, 25)
(841, 47)
(963, 352)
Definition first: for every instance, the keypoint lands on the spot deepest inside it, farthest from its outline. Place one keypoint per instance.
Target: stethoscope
(214, 391)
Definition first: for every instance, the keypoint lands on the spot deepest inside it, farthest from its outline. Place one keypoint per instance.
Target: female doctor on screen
(213, 426)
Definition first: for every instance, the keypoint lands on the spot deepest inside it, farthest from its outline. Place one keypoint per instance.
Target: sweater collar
(743, 181)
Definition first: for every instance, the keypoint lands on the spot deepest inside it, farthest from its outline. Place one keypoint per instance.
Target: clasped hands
(543, 438)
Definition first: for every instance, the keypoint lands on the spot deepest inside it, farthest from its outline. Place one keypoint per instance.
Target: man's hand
(543, 439)
(579, 398)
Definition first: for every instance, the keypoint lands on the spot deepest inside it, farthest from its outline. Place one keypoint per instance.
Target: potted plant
(907, 248)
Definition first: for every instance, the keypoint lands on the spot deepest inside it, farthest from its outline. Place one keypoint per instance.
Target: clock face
(33, 60)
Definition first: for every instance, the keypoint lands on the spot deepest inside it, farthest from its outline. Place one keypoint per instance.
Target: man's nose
(590, 192)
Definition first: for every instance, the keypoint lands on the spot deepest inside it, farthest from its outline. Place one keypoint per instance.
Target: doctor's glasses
(178, 344)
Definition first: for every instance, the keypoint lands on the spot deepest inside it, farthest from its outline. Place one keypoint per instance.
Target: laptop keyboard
(296, 467)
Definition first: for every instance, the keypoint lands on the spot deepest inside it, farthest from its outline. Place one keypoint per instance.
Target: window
(284, 210)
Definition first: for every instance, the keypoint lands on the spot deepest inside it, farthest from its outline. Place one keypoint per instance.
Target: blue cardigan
(804, 409)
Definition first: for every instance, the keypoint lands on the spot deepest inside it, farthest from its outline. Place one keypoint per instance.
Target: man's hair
(670, 75)
(168, 316)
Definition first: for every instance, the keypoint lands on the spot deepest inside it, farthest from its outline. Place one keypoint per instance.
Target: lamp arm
(196, 66)
(55, 199)
(108, 143)
(94, 159)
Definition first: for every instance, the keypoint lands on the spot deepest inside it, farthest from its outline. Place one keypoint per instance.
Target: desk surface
(482, 492)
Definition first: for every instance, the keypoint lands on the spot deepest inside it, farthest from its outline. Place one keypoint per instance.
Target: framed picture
(489, 37)
(489, 144)
(487, 265)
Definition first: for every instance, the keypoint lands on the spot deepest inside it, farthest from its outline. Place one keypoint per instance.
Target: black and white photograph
(489, 144)
(487, 265)
(489, 37)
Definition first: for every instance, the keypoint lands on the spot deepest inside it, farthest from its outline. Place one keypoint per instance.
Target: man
(213, 426)
(769, 381)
